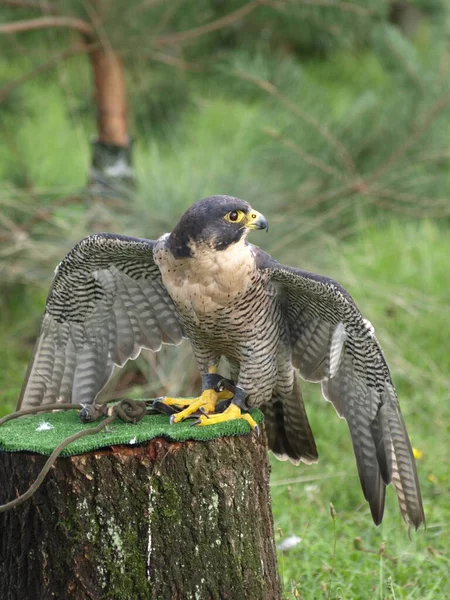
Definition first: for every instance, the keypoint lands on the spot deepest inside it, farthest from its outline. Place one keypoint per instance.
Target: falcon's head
(215, 222)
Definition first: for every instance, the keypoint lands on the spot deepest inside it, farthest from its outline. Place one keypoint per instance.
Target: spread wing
(332, 343)
(106, 302)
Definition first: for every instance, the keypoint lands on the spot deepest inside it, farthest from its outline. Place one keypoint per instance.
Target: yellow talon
(232, 413)
(206, 402)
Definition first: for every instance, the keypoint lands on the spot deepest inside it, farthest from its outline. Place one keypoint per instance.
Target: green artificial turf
(42, 433)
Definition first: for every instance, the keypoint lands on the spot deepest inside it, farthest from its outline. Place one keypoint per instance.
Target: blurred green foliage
(330, 117)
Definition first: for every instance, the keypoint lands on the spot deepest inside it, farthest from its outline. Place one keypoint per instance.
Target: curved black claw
(225, 384)
(158, 407)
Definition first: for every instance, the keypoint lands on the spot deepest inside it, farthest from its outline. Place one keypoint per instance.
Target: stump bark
(163, 520)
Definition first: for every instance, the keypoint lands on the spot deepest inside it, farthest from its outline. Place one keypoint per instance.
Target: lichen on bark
(162, 520)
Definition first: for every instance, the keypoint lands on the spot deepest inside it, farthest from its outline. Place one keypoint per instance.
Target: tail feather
(274, 425)
(288, 431)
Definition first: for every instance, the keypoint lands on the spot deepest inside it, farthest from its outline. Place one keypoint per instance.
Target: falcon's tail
(288, 432)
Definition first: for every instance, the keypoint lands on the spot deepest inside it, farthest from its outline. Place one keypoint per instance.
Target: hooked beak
(255, 220)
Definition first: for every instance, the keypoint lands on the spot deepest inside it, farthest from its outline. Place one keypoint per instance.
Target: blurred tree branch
(25, 229)
(343, 6)
(233, 17)
(172, 61)
(306, 156)
(43, 22)
(44, 7)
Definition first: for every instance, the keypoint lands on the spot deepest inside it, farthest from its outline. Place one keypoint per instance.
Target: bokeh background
(332, 118)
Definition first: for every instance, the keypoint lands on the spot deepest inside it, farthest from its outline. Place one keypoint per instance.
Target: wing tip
(415, 517)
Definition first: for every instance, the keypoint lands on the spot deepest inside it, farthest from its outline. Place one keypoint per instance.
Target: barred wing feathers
(106, 302)
(332, 343)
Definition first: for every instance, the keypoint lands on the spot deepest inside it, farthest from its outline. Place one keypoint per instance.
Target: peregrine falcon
(113, 295)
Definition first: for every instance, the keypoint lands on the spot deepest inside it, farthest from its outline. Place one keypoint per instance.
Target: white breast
(210, 279)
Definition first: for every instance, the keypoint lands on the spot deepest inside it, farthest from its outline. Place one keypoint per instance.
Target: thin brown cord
(127, 410)
(37, 409)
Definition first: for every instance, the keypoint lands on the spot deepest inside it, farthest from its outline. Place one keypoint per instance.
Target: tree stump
(162, 520)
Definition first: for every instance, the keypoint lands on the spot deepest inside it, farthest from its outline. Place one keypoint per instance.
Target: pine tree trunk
(162, 520)
(112, 150)
(110, 97)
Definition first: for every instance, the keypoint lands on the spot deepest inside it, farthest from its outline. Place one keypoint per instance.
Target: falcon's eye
(235, 216)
